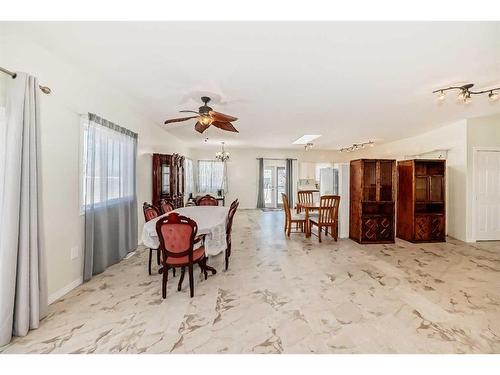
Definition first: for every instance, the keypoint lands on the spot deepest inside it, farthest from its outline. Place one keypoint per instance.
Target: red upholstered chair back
(207, 200)
(176, 234)
(150, 211)
(165, 206)
(329, 209)
(229, 222)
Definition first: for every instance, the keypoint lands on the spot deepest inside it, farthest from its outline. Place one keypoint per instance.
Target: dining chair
(304, 196)
(327, 216)
(166, 206)
(207, 200)
(150, 213)
(290, 218)
(229, 225)
(177, 236)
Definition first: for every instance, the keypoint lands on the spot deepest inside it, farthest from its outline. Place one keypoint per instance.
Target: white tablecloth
(211, 221)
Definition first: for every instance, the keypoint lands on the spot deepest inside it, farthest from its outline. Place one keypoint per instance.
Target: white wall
(452, 137)
(76, 92)
(242, 169)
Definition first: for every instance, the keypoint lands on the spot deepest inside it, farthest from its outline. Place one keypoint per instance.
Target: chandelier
(222, 155)
(465, 93)
(357, 146)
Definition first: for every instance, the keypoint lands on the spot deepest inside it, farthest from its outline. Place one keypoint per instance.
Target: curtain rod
(45, 89)
(274, 159)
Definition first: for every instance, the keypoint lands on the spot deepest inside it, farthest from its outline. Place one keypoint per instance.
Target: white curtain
(211, 176)
(109, 191)
(188, 168)
(23, 279)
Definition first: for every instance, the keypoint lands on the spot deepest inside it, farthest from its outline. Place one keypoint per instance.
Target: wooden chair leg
(181, 279)
(164, 283)
(158, 256)
(289, 228)
(173, 271)
(150, 256)
(319, 232)
(191, 281)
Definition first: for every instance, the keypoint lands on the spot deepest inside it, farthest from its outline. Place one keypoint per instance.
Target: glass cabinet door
(386, 181)
(370, 181)
(165, 179)
(436, 188)
(421, 186)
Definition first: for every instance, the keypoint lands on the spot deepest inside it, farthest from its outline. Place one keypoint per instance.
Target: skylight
(306, 138)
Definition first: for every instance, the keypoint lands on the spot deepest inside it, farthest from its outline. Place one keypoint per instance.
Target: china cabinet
(168, 179)
(421, 200)
(372, 196)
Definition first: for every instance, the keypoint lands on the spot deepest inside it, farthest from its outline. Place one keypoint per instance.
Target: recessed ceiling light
(305, 139)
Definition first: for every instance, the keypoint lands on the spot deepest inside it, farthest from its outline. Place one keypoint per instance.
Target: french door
(274, 185)
(487, 195)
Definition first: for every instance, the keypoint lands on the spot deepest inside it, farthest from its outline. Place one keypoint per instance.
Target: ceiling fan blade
(200, 128)
(225, 126)
(179, 119)
(187, 111)
(217, 116)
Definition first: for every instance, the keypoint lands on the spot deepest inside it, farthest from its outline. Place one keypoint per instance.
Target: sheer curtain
(188, 168)
(23, 274)
(109, 191)
(210, 176)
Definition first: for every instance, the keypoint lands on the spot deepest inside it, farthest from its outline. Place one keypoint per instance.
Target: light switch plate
(74, 252)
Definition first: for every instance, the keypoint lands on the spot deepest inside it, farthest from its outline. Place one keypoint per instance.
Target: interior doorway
(487, 195)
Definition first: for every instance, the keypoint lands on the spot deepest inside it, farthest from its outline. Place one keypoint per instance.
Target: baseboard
(65, 290)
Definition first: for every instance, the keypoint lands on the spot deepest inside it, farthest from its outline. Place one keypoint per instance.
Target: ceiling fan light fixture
(205, 120)
(441, 96)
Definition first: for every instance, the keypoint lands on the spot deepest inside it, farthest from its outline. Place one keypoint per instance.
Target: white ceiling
(349, 81)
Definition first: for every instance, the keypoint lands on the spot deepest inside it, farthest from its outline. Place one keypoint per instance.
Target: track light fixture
(357, 146)
(308, 146)
(465, 93)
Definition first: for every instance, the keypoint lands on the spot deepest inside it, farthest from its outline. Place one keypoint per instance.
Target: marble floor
(288, 295)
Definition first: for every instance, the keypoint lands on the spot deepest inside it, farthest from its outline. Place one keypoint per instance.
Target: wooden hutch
(372, 196)
(168, 179)
(421, 200)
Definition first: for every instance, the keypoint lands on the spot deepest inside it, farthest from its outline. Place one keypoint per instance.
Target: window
(188, 168)
(107, 165)
(210, 176)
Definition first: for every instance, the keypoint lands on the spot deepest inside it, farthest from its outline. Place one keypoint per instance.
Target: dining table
(211, 221)
(312, 206)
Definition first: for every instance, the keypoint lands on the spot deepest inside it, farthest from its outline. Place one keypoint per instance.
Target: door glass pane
(370, 181)
(281, 185)
(436, 188)
(268, 186)
(385, 181)
(421, 189)
(165, 179)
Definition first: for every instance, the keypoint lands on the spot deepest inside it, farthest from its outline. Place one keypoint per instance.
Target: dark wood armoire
(372, 197)
(168, 179)
(421, 200)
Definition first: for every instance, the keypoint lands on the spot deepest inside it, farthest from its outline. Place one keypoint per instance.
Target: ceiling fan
(206, 116)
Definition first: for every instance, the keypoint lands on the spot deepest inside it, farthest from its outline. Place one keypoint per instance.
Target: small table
(211, 221)
(308, 207)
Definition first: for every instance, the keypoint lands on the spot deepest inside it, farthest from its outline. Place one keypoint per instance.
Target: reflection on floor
(292, 295)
